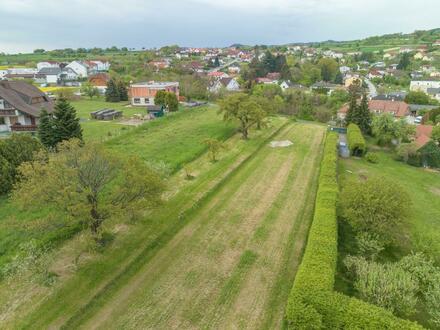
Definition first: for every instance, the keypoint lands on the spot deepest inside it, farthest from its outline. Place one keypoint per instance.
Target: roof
(397, 96)
(154, 108)
(225, 81)
(423, 135)
(324, 84)
(397, 108)
(50, 71)
(25, 97)
(433, 91)
(156, 84)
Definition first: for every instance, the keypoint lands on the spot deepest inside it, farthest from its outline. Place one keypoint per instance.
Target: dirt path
(220, 270)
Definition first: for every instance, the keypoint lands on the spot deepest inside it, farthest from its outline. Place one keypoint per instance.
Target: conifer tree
(112, 92)
(65, 122)
(123, 92)
(45, 129)
(363, 116)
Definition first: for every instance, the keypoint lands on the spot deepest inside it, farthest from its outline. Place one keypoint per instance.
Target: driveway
(372, 91)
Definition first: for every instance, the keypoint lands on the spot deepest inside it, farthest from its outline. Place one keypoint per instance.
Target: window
(2, 121)
(137, 101)
(147, 100)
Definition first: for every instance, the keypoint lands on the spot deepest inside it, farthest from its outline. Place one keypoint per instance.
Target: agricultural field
(224, 254)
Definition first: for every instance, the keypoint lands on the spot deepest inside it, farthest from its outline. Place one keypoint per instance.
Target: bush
(372, 157)
(356, 141)
(377, 206)
(312, 289)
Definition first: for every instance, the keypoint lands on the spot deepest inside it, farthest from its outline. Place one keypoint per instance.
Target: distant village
(386, 77)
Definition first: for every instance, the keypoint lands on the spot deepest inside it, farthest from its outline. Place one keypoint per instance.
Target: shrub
(387, 285)
(312, 289)
(356, 141)
(369, 245)
(377, 206)
(372, 157)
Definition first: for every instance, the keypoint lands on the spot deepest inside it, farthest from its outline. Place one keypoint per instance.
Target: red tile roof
(423, 135)
(397, 108)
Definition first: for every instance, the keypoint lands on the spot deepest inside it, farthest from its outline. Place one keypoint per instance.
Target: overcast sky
(49, 24)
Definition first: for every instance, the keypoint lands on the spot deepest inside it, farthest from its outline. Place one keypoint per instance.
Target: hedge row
(356, 141)
(312, 303)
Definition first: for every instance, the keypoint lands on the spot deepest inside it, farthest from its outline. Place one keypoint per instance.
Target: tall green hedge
(312, 303)
(356, 141)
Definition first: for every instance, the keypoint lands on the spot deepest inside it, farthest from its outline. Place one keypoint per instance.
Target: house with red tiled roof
(218, 74)
(398, 109)
(423, 135)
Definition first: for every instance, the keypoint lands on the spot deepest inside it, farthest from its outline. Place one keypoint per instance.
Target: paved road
(371, 88)
(221, 67)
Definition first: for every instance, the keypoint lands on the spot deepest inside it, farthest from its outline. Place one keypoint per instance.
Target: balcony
(7, 112)
(23, 128)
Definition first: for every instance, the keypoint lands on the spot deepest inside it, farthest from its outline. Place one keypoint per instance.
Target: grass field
(233, 264)
(245, 257)
(173, 140)
(98, 274)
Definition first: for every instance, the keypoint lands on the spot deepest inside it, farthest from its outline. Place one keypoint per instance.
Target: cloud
(148, 23)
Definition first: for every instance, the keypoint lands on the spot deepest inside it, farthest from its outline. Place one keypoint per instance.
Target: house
(325, 86)
(344, 69)
(95, 66)
(143, 93)
(287, 84)
(217, 74)
(68, 74)
(434, 93)
(3, 74)
(422, 85)
(375, 74)
(80, 68)
(20, 106)
(273, 76)
(229, 84)
(47, 64)
(51, 74)
(395, 96)
(159, 65)
(234, 69)
(100, 81)
(265, 81)
(398, 109)
(423, 135)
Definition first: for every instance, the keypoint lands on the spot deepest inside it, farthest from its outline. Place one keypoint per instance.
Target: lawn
(232, 265)
(421, 233)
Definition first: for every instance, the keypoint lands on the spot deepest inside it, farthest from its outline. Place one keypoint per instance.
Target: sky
(53, 24)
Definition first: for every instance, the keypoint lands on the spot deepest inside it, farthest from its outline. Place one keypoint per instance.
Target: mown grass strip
(149, 251)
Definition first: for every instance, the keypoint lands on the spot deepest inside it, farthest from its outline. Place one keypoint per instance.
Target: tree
(216, 62)
(171, 102)
(243, 109)
(404, 62)
(214, 147)
(112, 91)
(122, 90)
(86, 184)
(14, 151)
(418, 97)
(363, 116)
(377, 206)
(435, 135)
(45, 129)
(64, 124)
(160, 98)
(65, 93)
(329, 68)
(407, 151)
(386, 129)
(352, 113)
(89, 90)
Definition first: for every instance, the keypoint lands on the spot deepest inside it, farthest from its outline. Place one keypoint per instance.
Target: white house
(47, 64)
(80, 68)
(230, 84)
(68, 74)
(3, 74)
(423, 85)
(51, 74)
(344, 69)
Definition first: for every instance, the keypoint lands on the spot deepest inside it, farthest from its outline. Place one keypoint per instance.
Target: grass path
(226, 267)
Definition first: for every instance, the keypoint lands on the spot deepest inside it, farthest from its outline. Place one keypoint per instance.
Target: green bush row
(312, 303)
(356, 141)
